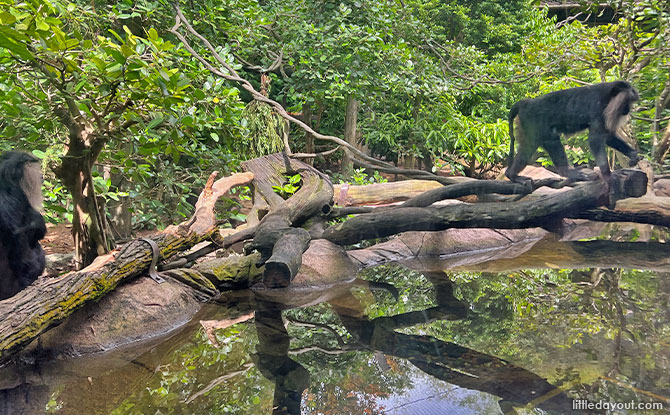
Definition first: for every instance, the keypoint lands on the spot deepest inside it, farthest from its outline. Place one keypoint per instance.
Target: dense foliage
(116, 106)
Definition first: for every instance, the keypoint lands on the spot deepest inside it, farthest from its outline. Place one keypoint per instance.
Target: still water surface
(535, 341)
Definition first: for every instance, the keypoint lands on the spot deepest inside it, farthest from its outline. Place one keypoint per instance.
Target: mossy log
(49, 301)
(232, 272)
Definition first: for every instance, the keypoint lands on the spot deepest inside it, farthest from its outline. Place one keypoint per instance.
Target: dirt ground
(58, 239)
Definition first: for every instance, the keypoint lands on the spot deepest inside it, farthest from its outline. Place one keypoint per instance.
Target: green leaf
(80, 85)
(99, 63)
(116, 35)
(117, 56)
(12, 40)
(127, 51)
(199, 94)
(41, 25)
(164, 74)
(117, 67)
(187, 121)
(153, 34)
(7, 18)
(155, 123)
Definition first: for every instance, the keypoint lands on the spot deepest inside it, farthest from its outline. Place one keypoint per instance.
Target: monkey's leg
(597, 139)
(523, 156)
(556, 151)
(617, 143)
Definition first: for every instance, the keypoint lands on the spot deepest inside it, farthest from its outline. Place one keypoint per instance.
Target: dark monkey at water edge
(602, 108)
(21, 224)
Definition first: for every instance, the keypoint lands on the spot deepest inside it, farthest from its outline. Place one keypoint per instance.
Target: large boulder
(139, 310)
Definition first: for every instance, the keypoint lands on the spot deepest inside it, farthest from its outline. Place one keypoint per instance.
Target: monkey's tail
(513, 112)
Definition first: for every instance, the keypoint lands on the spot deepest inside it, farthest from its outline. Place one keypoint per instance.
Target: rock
(59, 263)
(434, 251)
(662, 187)
(139, 310)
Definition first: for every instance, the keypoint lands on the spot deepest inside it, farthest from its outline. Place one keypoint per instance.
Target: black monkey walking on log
(602, 108)
(21, 224)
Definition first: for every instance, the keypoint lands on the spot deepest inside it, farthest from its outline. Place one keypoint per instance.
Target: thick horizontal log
(513, 215)
(649, 209)
(477, 187)
(381, 193)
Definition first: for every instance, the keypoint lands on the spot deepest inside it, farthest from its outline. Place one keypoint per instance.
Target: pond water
(400, 341)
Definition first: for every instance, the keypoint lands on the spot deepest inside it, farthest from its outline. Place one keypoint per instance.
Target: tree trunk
(89, 223)
(350, 123)
(120, 216)
(426, 159)
(309, 137)
(662, 147)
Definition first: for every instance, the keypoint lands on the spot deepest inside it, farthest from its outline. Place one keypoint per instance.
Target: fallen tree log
(478, 187)
(50, 300)
(278, 237)
(650, 210)
(541, 212)
(382, 193)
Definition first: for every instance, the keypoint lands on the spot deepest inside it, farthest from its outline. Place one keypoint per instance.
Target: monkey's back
(569, 111)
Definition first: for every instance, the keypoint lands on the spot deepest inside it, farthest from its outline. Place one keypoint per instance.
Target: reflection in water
(446, 361)
(289, 377)
(430, 347)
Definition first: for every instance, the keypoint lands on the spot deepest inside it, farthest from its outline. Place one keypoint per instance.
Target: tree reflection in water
(599, 334)
(443, 360)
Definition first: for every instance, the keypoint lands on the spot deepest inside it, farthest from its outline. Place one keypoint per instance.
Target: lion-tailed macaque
(602, 108)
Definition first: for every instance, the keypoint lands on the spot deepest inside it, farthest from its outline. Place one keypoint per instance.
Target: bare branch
(314, 155)
(257, 68)
(231, 75)
(484, 79)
